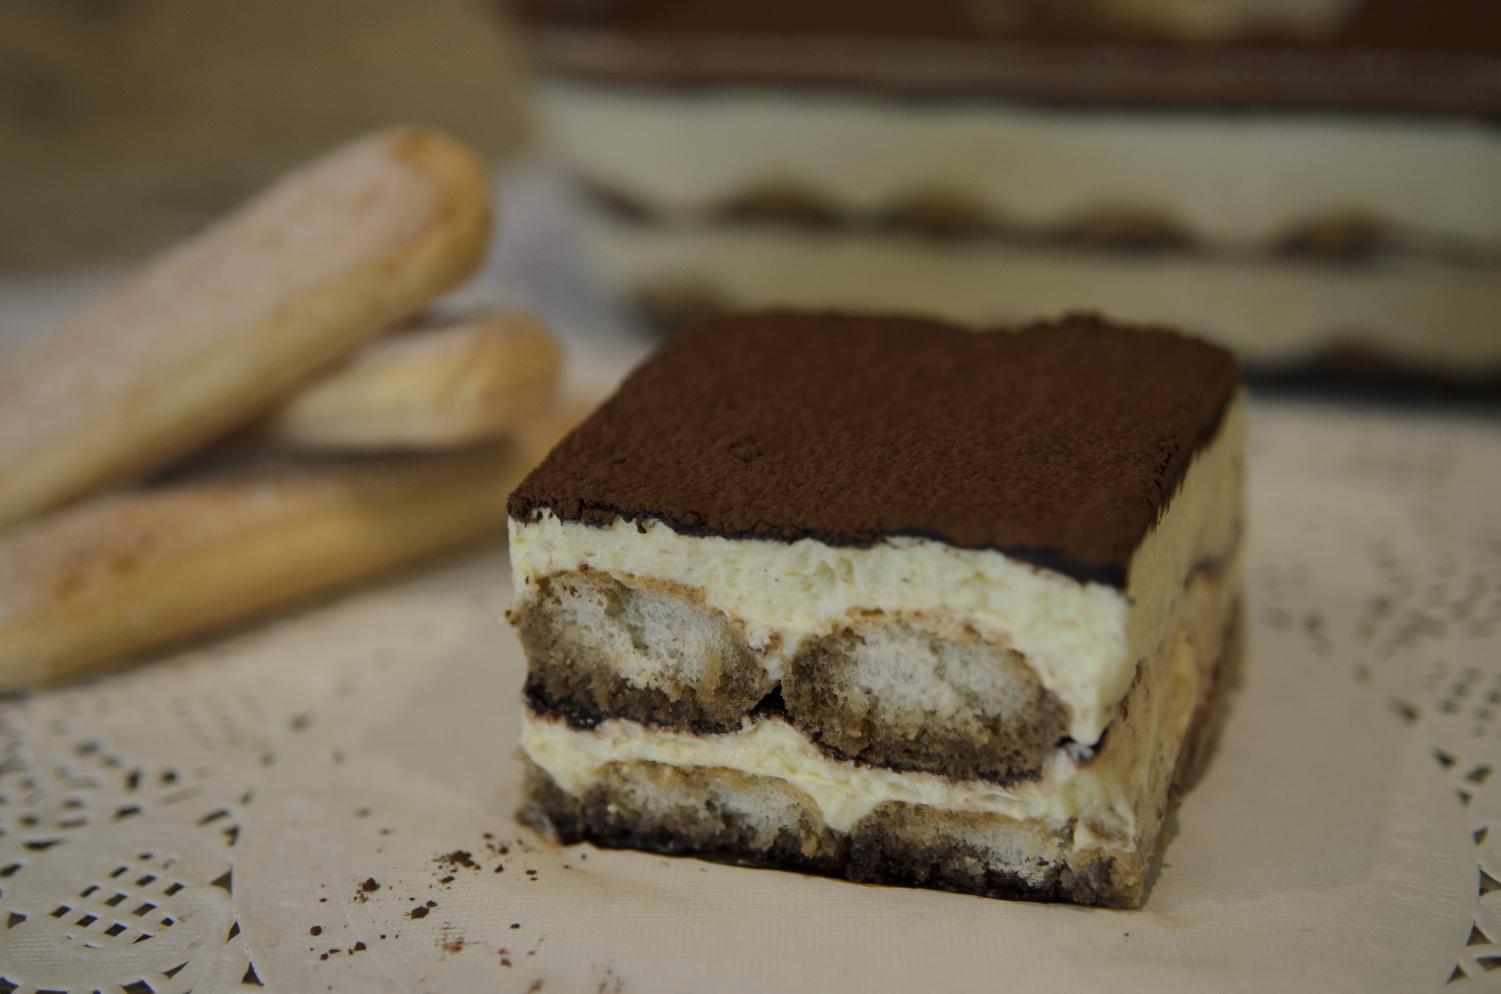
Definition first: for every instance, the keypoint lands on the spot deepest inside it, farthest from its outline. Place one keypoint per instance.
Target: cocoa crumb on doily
(358, 947)
(459, 857)
(315, 930)
(515, 924)
(417, 912)
(536, 986)
(451, 941)
(446, 880)
(370, 885)
(362, 813)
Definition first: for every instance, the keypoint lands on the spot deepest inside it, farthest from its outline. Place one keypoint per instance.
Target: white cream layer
(1083, 640)
(1437, 315)
(1233, 179)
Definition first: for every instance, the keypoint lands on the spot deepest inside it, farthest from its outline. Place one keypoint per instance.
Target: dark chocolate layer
(1388, 55)
(1446, 26)
(1059, 444)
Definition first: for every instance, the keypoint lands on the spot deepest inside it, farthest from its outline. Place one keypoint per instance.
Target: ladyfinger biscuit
(442, 382)
(130, 571)
(212, 332)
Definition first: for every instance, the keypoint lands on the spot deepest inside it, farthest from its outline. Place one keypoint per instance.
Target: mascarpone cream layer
(1237, 179)
(1083, 640)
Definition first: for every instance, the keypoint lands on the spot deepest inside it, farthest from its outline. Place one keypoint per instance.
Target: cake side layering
(888, 599)
(1261, 173)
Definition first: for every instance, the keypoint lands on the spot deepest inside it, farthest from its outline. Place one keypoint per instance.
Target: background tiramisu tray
(1316, 185)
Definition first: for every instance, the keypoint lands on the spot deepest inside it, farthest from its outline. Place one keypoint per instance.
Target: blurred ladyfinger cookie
(131, 571)
(212, 332)
(444, 381)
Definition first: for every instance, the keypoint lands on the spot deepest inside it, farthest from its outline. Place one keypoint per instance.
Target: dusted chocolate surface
(1058, 444)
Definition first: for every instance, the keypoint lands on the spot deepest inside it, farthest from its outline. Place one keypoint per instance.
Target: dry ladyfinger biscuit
(134, 570)
(446, 380)
(211, 332)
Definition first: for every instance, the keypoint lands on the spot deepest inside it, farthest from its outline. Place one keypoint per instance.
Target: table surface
(324, 801)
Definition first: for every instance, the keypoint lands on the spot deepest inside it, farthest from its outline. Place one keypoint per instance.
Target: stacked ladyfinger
(265, 412)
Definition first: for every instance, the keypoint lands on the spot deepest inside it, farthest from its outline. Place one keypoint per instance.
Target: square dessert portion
(887, 599)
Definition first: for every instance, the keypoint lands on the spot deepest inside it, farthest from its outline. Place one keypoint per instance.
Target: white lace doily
(325, 802)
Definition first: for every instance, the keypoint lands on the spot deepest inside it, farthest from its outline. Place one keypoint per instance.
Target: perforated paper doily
(324, 802)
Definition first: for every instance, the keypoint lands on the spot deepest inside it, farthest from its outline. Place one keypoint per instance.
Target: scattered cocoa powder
(459, 857)
(451, 941)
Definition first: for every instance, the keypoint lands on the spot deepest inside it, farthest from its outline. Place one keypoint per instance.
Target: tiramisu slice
(887, 599)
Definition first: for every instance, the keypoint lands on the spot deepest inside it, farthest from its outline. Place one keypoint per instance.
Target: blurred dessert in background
(1317, 185)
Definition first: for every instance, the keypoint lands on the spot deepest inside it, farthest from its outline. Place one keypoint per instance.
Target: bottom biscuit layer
(728, 815)
(724, 815)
